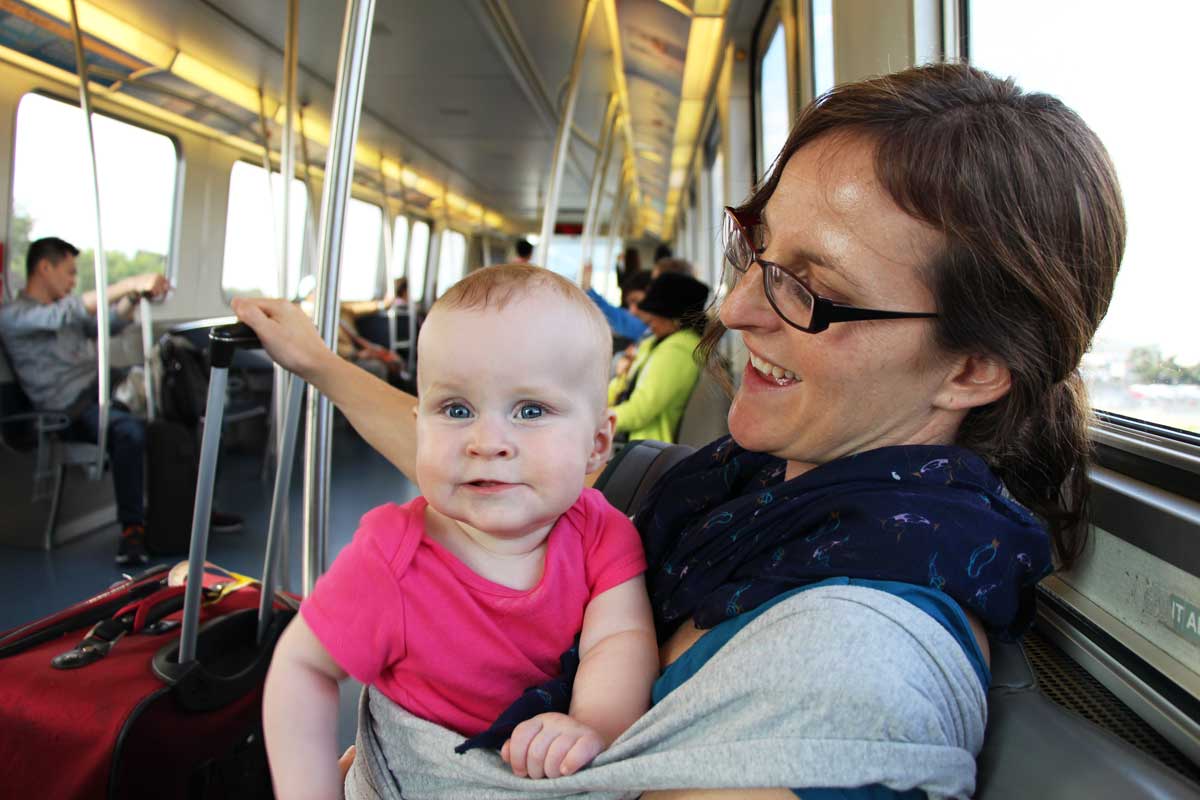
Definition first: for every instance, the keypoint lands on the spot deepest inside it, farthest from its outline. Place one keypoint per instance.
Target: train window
(251, 259)
(362, 242)
(52, 190)
(822, 39)
(418, 254)
(566, 255)
(772, 100)
(1145, 361)
(452, 260)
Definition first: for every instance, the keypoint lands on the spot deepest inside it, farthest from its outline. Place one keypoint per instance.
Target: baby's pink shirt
(399, 611)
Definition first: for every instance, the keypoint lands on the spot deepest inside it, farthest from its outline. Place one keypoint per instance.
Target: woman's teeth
(780, 375)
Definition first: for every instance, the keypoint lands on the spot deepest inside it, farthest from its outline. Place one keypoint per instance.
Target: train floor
(34, 583)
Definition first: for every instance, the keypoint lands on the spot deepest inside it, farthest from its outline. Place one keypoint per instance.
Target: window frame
(174, 235)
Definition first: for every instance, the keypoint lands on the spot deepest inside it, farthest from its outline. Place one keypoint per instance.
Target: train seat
(374, 328)
(1034, 747)
(705, 417)
(28, 431)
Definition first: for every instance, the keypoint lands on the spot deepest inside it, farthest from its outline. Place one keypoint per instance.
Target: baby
(455, 603)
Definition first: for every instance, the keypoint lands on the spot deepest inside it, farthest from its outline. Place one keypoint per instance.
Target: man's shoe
(132, 549)
(223, 522)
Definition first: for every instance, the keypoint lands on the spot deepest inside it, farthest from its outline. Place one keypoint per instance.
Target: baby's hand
(551, 746)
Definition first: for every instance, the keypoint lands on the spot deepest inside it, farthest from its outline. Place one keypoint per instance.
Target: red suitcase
(150, 689)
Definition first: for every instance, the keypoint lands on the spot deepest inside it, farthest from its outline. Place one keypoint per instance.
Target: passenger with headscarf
(648, 396)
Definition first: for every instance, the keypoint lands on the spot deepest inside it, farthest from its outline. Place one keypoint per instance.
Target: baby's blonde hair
(497, 286)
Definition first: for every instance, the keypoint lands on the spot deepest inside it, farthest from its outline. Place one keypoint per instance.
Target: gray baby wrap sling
(837, 686)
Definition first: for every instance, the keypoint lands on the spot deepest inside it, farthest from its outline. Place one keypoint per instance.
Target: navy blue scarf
(724, 532)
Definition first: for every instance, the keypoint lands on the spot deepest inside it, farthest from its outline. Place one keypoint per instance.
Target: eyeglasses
(793, 301)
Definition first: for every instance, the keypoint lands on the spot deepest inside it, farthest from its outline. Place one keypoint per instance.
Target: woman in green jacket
(649, 397)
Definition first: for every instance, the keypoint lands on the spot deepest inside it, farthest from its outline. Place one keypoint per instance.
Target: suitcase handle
(132, 618)
(226, 339)
(81, 615)
(229, 662)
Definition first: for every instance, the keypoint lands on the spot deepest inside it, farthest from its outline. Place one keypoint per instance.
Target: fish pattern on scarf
(724, 532)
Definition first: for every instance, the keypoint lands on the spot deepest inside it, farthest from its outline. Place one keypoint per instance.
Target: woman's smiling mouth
(773, 372)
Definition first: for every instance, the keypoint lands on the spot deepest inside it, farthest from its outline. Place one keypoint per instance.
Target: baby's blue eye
(457, 411)
(531, 411)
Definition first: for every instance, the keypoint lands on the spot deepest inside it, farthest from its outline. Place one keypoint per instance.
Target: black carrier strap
(635, 469)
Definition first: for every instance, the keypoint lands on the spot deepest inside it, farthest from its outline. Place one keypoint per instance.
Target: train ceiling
(462, 97)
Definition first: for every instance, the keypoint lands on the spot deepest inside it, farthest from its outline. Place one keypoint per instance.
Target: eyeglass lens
(789, 297)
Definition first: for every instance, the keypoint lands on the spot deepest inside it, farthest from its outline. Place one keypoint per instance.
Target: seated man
(50, 335)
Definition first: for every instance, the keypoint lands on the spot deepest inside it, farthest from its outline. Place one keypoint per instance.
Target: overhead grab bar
(101, 263)
(562, 139)
(335, 195)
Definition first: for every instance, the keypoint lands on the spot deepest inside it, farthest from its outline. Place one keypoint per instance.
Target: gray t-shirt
(52, 347)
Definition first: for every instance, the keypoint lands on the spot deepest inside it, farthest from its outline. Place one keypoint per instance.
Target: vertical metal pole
(101, 262)
(335, 196)
(389, 260)
(485, 239)
(614, 223)
(599, 176)
(562, 139)
(277, 526)
(287, 155)
(412, 306)
(278, 557)
(147, 359)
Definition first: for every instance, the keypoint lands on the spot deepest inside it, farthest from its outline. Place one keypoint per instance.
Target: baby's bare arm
(618, 660)
(300, 708)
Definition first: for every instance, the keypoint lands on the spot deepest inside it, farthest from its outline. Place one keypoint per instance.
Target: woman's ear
(602, 441)
(976, 380)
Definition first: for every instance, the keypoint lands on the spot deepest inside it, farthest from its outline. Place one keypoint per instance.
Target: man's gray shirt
(52, 347)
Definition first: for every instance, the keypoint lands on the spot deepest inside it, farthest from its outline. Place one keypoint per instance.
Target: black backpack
(184, 381)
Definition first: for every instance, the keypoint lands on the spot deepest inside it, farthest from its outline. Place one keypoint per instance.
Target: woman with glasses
(915, 282)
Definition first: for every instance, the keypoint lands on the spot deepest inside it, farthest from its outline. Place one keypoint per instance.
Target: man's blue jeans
(126, 456)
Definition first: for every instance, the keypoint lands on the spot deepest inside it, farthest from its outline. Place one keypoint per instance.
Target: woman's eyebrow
(813, 257)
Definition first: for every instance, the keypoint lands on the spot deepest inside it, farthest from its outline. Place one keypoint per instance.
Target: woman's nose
(746, 306)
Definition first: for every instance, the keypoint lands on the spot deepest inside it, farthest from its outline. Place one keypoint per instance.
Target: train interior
(636, 122)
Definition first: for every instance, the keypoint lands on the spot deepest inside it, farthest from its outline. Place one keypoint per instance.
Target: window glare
(1145, 361)
(52, 191)
(418, 254)
(251, 260)
(362, 241)
(773, 100)
(452, 260)
(822, 39)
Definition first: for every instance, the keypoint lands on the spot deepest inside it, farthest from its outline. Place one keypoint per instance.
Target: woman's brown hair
(1028, 204)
